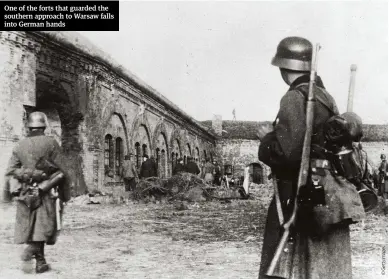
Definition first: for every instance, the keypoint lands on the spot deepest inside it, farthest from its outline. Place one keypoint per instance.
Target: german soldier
(33, 160)
(192, 167)
(217, 173)
(148, 168)
(325, 256)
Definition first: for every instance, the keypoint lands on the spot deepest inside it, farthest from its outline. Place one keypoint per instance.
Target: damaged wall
(87, 98)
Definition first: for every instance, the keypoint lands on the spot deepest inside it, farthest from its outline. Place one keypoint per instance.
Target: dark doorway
(256, 173)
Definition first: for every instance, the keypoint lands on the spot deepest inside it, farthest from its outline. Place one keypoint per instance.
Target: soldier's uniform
(192, 167)
(383, 177)
(320, 257)
(129, 173)
(36, 226)
(148, 168)
(179, 167)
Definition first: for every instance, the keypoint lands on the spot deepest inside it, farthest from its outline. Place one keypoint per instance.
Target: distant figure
(208, 172)
(383, 177)
(234, 114)
(202, 165)
(148, 168)
(129, 174)
(192, 167)
(179, 167)
(217, 174)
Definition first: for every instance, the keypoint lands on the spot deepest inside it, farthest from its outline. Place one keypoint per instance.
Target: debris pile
(182, 187)
(152, 186)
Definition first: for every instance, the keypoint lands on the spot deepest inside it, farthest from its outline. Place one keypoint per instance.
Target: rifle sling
(275, 185)
(317, 97)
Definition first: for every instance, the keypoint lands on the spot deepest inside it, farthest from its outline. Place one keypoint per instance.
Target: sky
(212, 57)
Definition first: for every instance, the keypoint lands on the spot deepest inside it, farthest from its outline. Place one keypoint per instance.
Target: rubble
(182, 187)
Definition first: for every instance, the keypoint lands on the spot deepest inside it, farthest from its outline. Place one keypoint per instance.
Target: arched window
(119, 155)
(108, 152)
(185, 160)
(162, 172)
(144, 149)
(137, 154)
(173, 161)
(205, 155)
(158, 160)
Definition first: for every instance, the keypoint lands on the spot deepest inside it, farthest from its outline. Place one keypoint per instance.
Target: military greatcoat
(316, 257)
(148, 169)
(38, 224)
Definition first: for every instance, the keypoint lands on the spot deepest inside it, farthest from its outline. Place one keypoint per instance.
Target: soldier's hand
(262, 131)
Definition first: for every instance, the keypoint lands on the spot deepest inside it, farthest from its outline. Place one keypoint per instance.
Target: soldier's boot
(41, 265)
(27, 257)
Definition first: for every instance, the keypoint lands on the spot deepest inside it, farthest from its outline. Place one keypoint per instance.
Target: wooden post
(350, 102)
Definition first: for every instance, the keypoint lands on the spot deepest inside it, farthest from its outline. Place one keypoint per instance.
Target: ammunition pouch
(30, 196)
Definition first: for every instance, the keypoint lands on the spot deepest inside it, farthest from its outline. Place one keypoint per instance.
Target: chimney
(217, 124)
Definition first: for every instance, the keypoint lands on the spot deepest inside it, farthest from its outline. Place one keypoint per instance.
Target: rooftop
(233, 129)
(83, 46)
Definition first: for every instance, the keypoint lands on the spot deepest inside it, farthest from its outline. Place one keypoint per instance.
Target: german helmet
(293, 53)
(37, 119)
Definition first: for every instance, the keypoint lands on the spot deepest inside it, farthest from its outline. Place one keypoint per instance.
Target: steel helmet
(36, 119)
(293, 53)
(383, 156)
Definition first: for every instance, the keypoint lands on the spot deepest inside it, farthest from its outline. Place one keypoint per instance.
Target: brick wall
(17, 88)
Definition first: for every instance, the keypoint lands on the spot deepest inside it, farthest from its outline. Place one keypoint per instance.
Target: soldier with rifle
(41, 188)
(293, 246)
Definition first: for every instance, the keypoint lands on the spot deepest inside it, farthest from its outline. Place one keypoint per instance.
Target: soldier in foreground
(34, 163)
(316, 254)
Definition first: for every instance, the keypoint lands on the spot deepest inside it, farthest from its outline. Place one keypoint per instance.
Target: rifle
(282, 267)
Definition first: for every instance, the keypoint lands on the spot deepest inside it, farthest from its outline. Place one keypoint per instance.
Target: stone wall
(240, 153)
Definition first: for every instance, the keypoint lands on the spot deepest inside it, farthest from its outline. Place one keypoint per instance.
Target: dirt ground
(136, 240)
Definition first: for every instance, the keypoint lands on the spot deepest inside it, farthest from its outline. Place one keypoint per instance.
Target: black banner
(60, 16)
